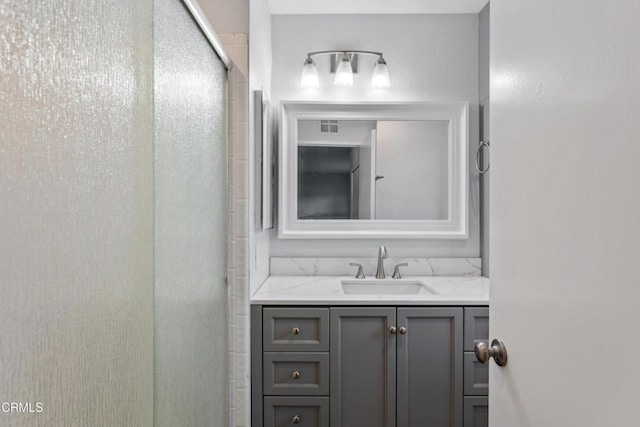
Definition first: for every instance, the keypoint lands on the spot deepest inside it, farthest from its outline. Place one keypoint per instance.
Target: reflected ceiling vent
(328, 126)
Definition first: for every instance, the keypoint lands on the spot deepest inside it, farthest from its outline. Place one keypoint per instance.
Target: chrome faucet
(382, 254)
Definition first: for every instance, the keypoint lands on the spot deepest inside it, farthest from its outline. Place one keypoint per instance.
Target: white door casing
(565, 212)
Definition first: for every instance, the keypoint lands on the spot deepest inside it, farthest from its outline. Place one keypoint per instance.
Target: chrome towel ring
(482, 145)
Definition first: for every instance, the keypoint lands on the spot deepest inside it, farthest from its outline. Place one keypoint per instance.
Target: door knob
(392, 330)
(497, 350)
(402, 330)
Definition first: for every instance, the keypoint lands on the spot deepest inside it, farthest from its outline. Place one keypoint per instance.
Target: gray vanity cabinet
(368, 367)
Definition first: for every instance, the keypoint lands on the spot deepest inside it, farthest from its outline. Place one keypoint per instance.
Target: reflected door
(412, 169)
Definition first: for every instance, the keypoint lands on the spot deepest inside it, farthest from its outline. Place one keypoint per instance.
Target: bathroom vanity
(332, 350)
(337, 351)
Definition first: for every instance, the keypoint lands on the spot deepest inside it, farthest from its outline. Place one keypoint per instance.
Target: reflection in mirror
(373, 169)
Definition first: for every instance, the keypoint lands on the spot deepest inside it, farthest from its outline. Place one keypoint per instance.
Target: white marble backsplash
(340, 266)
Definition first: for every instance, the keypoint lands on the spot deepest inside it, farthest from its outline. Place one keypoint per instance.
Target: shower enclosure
(190, 222)
(113, 214)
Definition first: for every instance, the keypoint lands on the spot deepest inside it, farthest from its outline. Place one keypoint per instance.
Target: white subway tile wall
(236, 46)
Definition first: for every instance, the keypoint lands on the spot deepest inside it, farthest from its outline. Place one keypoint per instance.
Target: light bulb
(380, 74)
(344, 74)
(309, 78)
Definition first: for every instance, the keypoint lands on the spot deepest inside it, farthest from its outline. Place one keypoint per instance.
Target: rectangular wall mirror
(373, 170)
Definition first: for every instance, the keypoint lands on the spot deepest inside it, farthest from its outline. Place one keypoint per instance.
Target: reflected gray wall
(190, 223)
(76, 209)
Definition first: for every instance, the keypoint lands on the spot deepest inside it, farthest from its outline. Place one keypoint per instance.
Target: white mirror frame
(454, 227)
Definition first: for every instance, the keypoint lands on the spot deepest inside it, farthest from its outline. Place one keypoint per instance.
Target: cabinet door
(362, 367)
(476, 411)
(430, 367)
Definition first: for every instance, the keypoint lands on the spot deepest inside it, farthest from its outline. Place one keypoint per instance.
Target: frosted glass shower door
(190, 223)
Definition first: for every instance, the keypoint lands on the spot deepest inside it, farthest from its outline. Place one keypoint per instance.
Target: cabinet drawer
(296, 411)
(295, 329)
(476, 412)
(296, 374)
(476, 326)
(476, 376)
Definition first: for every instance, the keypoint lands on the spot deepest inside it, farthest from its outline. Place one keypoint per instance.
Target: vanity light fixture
(344, 73)
(310, 77)
(345, 64)
(380, 74)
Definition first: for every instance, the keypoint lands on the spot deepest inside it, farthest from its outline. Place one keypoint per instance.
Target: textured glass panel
(76, 239)
(190, 223)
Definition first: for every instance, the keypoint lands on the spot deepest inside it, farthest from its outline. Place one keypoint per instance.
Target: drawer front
(476, 326)
(295, 329)
(476, 376)
(476, 412)
(296, 412)
(302, 374)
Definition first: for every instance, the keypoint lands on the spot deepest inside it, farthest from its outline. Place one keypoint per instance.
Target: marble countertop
(327, 290)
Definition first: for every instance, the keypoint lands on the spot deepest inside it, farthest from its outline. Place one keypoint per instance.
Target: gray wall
(227, 16)
(483, 52)
(430, 58)
(259, 79)
(483, 72)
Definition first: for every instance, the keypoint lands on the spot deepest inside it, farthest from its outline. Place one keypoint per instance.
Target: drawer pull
(295, 330)
(295, 375)
(295, 419)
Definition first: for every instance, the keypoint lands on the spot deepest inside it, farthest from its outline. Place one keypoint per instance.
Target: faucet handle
(360, 273)
(396, 270)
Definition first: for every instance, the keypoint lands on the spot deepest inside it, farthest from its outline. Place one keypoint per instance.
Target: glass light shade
(380, 75)
(344, 74)
(309, 78)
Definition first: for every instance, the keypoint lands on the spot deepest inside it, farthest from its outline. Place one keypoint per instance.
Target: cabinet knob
(392, 330)
(295, 419)
(402, 330)
(497, 350)
(295, 330)
(295, 375)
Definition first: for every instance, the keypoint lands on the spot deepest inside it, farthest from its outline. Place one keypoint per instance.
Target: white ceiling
(292, 7)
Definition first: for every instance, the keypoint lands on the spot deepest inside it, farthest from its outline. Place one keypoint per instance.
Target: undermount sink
(385, 287)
